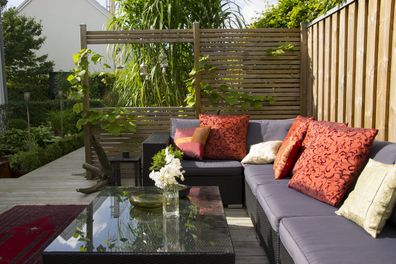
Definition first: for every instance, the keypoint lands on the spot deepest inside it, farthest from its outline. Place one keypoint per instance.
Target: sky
(250, 8)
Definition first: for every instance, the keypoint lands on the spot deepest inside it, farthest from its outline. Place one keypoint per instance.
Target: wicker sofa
(293, 227)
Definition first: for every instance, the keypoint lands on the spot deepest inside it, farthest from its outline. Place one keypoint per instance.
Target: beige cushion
(371, 202)
(262, 153)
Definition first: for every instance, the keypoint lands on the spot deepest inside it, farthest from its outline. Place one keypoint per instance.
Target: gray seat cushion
(279, 201)
(212, 168)
(384, 152)
(256, 175)
(266, 130)
(333, 239)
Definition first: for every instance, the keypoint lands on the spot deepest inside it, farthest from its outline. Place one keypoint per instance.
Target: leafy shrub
(27, 161)
(42, 136)
(69, 122)
(15, 140)
(17, 123)
(12, 141)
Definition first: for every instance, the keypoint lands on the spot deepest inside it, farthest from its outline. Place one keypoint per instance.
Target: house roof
(94, 3)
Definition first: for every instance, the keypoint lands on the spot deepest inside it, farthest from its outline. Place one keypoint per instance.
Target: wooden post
(87, 129)
(197, 55)
(304, 89)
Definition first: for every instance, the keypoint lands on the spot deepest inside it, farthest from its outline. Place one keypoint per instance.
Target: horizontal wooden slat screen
(352, 66)
(148, 120)
(243, 61)
(139, 36)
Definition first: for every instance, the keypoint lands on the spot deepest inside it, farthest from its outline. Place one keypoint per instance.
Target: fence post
(197, 55)
(87, 129)
(304, 89)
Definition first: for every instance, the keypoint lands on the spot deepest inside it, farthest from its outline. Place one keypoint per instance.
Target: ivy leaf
(78, 108)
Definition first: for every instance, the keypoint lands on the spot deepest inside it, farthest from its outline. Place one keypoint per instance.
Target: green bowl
(146, 198)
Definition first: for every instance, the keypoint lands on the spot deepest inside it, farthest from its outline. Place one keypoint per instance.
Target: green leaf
(78, 108)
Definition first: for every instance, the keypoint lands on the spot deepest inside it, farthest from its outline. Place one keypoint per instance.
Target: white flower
(168, 175)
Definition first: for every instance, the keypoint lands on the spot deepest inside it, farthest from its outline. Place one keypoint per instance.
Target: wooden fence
(242, 59)
(351, 73)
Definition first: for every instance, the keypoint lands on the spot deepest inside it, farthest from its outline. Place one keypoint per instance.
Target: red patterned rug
(25, 231)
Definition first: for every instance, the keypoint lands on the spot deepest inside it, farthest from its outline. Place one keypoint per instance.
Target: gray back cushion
(266, 130)
(182, 123)
(384, 152)
(258, 131)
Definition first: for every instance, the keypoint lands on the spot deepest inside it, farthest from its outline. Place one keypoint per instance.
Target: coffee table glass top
(112, 224)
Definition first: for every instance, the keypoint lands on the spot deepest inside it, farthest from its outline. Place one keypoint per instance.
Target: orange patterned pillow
(191, 141)
(227, 137)
(331, 161)
(288, 151)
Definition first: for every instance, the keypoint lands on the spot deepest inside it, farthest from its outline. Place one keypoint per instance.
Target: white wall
(61, 21)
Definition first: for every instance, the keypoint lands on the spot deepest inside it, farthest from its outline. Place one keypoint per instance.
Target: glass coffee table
(112, 230)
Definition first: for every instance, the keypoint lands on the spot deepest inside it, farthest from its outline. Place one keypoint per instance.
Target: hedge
(26, 161)
(39, 110)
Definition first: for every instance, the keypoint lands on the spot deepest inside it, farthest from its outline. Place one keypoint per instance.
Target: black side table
(116, 163)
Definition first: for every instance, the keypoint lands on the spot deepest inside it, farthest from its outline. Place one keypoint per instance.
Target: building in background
(61, 21)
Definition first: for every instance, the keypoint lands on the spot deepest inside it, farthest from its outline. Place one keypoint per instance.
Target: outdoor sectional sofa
(292, 227)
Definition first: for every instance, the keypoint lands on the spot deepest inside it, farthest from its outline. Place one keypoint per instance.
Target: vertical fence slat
(303, 68)
(197, 55)
(310, 72)
(327, 69)
(382, 109)
(392, 87)
(371, 61)
(334, 68)
(315, 71)
(87, 129)
(342, 65)
(360, 64)
(320, 69)
(351, 66)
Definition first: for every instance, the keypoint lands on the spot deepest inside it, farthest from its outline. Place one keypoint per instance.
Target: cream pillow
(371, 202)
(262, 153)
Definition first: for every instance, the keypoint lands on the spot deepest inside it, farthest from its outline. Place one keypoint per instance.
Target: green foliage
(26, 161)
(40, 110)
(290, 13)
(113, 121)
(26, 71)
(159, 158)
(223, 94)
(167, 64)
(17, 123)
(42, 136)
(15, 140)
(281, 49)
(70, 120)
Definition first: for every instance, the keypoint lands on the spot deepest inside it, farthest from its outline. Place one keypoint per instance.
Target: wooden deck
(56, 182)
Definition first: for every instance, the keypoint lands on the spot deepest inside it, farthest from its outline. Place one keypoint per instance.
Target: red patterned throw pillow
(331, 161)
(227, 137)
(191, 141)
(288, 151)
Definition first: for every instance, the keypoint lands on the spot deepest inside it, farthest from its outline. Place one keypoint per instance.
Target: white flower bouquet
(167, 176)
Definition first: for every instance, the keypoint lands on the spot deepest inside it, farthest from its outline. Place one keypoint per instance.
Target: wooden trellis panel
(243, 61)
(358, 41)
